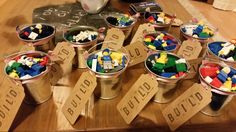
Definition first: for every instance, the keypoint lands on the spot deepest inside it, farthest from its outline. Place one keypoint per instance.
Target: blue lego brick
(222, 76)
(157, 43)
(170, 47)
(232, 72)
(234, 80)
(167, 74)
(21, 72)
(215, 47)
(38, 67)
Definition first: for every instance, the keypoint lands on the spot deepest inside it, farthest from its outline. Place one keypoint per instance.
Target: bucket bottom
(217, 105)
(166, 93)
(108, 88)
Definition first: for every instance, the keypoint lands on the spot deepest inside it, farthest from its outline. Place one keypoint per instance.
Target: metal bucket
(215, 57)
(80, 48)
(126, 30)
(109, 85)
(203, 41)
(43, 44)
(155, 34)
(159, 26)
(37, 89)
(220, 99)
(167, 86)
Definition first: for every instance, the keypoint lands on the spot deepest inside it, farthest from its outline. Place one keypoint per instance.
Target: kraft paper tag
(147, 27)
(137, 97)
(114, 38)
(64, 52)
(27, 47)
(55, 73)
(137, 53)
(63, 55)
(79, 97)
(10, 102)
(190, 49)
(186, 106)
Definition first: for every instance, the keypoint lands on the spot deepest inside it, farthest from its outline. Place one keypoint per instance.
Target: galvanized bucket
(160, 26)
(37, 89)
(109, 85)
(220, 99)
(203, 41)
(167, 86)
(43, 44)
(155, 34)
(215, 57)
(126, 30)
(80, 48)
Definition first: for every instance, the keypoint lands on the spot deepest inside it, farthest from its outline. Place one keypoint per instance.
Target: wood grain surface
(104, 116)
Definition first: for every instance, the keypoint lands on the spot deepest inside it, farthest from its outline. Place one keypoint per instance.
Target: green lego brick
(8, 69)
(170, 62)
(15, 65)
(181, 67)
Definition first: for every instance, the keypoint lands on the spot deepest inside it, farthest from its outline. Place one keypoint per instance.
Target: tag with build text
(10, 102)
(186, 106)
(190, 49)
(79, 96)
(147, 27)
(137, 97)
(114, 39)
(63, 55)
(137, 53)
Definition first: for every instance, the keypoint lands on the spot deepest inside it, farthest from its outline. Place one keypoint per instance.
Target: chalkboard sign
(69, 15)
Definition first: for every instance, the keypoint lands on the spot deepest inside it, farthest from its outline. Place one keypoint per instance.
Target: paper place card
(79, 96)
(137, 52)
(190, 49)
(114, 39)
(137, 97)
(147, 27)
(10, 102)
(186, 106)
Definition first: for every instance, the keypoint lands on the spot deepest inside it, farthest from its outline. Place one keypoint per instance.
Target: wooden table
(104, 116)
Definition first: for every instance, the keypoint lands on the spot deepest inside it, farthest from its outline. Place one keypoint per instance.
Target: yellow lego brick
(13, 75)
(228, 84)
(233, 88)
(226, 70)
(152, 47)
(164, 44)
(100, 60)
(147, 39)
(173, 77)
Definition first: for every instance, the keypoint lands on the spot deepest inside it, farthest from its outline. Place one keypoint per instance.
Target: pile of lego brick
(222, 78)
(107, 61)
(160, 41)
(167, 65)
(158, 18)
(197, 30)
(122, 21)
(82, 36)
(225, 50)
(27, 66)
(35, 32)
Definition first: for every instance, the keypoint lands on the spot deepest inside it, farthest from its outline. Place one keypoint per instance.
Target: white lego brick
(208, 79)
(160, 19)
(226, 70)
(94, 64)
(33, 35)
(11, 62)
(26, 77)
(38, 26)
(180, 61)
(230, 59)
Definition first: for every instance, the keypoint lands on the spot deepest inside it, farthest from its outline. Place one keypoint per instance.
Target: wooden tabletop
(104, 116)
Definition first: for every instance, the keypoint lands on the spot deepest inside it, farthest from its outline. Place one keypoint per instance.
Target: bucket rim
(164, 78)
(79, 28)
(201, 39)
(159, 32)
(209, 50)
(213, 88)
(18, 29)
(48, 66)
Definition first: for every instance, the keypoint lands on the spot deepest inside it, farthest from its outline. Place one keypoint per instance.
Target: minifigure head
(106, 52)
